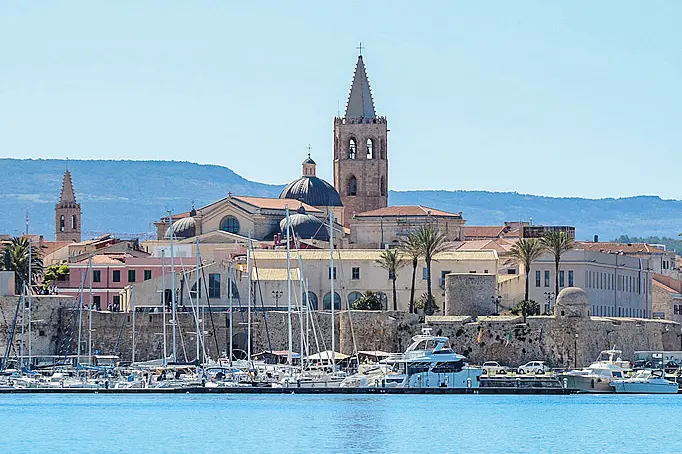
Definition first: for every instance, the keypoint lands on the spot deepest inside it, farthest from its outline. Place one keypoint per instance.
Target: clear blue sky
(579, 98)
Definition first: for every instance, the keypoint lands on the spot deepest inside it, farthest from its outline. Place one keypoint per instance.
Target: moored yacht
(645, 382)
(597, 377)
(429, 362)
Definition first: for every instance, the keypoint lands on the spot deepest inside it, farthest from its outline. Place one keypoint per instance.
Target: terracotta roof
(365, 254)
(479, 245)
(269, 203)
(625, 248)
(478, 232)
(407, 210)
(50, 247)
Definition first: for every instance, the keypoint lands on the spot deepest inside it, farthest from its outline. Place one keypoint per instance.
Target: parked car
(535, 367)
(493, 367)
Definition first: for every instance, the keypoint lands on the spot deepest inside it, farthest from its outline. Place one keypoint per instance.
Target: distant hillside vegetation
(127, 196)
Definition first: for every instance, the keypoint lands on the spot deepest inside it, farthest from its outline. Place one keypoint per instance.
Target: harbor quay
(571, 340)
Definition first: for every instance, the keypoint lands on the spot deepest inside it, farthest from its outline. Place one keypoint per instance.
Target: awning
(327, 356)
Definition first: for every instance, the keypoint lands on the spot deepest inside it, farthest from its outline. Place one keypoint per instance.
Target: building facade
(617, 285)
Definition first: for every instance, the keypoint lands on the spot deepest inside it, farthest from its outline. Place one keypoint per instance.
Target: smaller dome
(313, 191)
(309, 161)
(183, 228)
(305, 226)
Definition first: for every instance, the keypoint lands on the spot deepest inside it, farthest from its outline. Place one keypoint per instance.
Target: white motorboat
(645, 382)
(429, 362)
(597, 377)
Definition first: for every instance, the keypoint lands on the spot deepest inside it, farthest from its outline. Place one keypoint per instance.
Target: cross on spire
(360, 48)
(309, 148)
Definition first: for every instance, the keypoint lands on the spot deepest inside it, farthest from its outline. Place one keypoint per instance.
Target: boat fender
(469, 382)
(286, 382)
(592, 383)
(106, 384)
(565, 383)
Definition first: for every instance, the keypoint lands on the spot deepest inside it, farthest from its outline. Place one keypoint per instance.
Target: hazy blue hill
(127, 196)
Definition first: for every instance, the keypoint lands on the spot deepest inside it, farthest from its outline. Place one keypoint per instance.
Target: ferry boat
(429, 362)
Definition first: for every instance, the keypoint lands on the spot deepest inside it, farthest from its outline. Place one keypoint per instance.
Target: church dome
(313, 191)
(304, 226)
(183, 228)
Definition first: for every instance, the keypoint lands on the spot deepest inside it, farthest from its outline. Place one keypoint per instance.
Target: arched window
(327, 302)
(370, 149)
(382, 186)
(229, 224)
(73, 222)
(352, 187)
(353, 297)
(61, 223)
(311, 299)
(352, 148)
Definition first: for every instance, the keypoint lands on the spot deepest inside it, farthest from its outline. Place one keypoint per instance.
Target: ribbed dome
(305, 226)
(313, 191)
(183, 228)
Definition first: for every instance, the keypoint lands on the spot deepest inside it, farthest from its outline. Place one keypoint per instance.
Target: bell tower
(67, 213)
(360, 151)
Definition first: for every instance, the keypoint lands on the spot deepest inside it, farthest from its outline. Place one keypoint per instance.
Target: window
(73, 222)
(329, 274)
(131, 275)
(96, 276)
(425, 274)
(511, 271)
(117, 303)
(116, 276)
(352, 148)
(61, 223)
(537, 278)
(353, 297)
(546, 278)
(327, 301)
(229, 224)
(562, 279)
(312, 300)
(355, 273)
(570, 278)
(370, 149)
(96, 302)
(147, 275)
(214, 285)
(352, 186)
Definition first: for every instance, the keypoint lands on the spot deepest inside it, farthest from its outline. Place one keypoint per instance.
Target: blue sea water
(338, 423)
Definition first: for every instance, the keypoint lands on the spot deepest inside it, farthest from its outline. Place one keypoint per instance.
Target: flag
(480, 335)
(508, 338)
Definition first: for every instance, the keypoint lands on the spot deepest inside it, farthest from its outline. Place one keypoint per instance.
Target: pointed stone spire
(360, 103)
(68, 195)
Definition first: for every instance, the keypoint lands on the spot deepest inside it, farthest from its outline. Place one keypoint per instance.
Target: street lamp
(549, 296)
(496, 302)
(277, 294)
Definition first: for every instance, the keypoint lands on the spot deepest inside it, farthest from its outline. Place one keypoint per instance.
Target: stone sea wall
(504, 339)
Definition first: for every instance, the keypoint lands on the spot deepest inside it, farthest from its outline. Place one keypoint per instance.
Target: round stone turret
(572, 302)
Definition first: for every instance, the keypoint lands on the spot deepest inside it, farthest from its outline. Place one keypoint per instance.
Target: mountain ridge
(125, 197)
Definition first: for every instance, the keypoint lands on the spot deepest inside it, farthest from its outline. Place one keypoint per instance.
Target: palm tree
(556, 243)
(430, 243)
(15, 258)
(526, 251)
(391, 261)
(410, 248)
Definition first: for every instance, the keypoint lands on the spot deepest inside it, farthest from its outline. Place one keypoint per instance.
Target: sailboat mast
(196, 295)
(163, 304)
(30, 309)
(229, 286)
(289, 332)
(90, 311)
(248, 305)
(300, 304)
(331, 278)
(173, 309)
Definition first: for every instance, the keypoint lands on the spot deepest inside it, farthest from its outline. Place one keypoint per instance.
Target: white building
(617, 285)
(356, 271)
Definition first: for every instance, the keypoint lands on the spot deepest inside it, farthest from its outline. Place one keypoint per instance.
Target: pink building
(111, 274)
